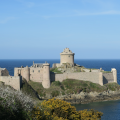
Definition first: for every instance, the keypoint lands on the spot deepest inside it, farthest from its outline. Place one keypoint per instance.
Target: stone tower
(46, 75)
(114, 71)
(67, 56)
(24, 72)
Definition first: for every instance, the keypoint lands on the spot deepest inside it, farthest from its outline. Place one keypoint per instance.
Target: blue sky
(41, 29)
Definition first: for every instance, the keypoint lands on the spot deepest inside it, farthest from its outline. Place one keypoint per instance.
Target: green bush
(10, 114)
(42, 94)
(55, 93)
(56, 83)
(55, 109)
(63, 93)
(84, 90)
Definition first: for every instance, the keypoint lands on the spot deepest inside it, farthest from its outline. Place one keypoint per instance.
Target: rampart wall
(24, 72)
(108, 77)
(95, 77)
(92, 70)
(56, 65)
(13, 81)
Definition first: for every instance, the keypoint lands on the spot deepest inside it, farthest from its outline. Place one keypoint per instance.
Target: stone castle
(68, 70)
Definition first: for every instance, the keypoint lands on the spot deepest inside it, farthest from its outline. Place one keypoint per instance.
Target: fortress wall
(18, 71)
(36, 74)
(24, 72)
(92, 70)
(94, 77)
(107, 78)
(59, 77)
(88, 76)
(13, 81)
(95, 70)
(86, 70)
(56, 65)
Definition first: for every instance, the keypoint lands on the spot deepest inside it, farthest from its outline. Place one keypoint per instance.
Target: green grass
(55, 93)
(43, 92)
(68, 86)
(56, 83)
(78, 85)
(28, 89)
(112, 86)
(55, 70)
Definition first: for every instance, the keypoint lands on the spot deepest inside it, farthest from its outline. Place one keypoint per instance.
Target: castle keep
(67, 57)
(37, 73)
(40, 72)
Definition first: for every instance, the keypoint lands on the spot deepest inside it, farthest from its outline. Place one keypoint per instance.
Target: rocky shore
(84, 98)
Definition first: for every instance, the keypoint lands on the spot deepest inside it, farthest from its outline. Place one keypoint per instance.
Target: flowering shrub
(14, 104)
(15, 99)
(55, 109)
(90, 115)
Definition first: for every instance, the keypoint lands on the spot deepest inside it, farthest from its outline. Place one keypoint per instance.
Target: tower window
(38, 70)
(33, 70)
(69, 56)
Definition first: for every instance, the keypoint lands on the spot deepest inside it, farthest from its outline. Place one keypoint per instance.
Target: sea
(110, 109)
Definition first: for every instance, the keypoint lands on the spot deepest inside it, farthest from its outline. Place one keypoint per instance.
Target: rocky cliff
(84, 97)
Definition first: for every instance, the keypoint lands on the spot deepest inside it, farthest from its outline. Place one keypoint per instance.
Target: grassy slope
(70, 86)
(28, 89)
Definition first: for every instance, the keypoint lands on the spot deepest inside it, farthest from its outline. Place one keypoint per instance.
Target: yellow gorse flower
(55, 109)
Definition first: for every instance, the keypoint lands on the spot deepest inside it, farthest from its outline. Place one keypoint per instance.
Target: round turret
(26, 73)
(67, 56)
(46, 75)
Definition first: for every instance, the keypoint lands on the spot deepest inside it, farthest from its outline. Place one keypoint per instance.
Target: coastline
(85, 98)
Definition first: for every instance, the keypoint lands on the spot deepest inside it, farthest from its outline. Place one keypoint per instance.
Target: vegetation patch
(28, 89)
(55, 109)
(14, 105)
(68, 86)
(112, 86)
(55, 93)
(78, 85)
(55, 70)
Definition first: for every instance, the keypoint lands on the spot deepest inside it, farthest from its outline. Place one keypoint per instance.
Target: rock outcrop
(84, 97)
